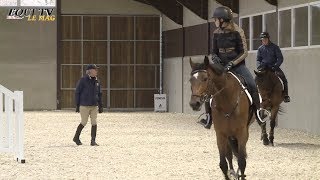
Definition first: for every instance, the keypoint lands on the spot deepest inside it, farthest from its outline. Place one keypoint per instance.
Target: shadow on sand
(306, 146)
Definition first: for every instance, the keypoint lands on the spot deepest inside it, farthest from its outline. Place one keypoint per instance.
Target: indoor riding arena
(146, 127)
(151, 146)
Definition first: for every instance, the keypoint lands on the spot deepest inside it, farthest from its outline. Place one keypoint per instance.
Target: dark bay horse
(231, 113)
(270, 88)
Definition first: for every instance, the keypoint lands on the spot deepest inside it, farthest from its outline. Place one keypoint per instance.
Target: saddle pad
(243, 87)
(281, 82)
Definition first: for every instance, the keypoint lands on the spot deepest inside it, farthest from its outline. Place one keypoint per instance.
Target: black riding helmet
(264, 35)
(224, 13)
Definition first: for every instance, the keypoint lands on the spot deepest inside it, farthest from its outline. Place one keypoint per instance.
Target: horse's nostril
(198, 104)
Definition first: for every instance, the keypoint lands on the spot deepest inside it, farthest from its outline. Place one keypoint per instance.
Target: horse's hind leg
(264, 135)
(274, 112)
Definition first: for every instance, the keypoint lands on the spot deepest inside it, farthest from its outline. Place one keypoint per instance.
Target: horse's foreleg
(264, 135)
(242, 141)
(274, 113)
(229, 156)
(222, 146)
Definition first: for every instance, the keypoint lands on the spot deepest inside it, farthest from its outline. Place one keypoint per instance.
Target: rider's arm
(259, 58)
(241, 46)
(279, 56)
(214, 49)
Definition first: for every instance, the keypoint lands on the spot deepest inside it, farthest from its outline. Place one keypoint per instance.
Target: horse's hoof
(271, 143)
(265, 141)
(232, 175)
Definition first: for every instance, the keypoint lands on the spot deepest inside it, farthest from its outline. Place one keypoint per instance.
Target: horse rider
(88, 102)
(229, 48)
(269, 56)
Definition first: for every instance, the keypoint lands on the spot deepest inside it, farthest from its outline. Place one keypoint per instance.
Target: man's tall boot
(76, 137)
(93, 135)
(286, 97)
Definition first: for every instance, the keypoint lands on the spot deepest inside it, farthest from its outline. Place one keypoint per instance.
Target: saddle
(243, 84)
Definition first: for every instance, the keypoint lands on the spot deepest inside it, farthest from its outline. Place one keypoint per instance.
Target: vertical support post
(9, 112)
(19, 154)
(1, 121)
(161, 62)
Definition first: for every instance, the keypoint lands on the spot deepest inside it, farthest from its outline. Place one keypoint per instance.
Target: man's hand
(78, 109)
(229, 66)
(100, 109)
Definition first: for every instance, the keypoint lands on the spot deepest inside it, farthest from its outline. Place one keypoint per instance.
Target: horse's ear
(191, 63)
(206, 61)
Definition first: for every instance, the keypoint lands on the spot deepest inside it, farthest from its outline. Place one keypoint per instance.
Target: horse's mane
(217, 68)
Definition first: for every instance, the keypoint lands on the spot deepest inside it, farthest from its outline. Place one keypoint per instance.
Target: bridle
(204, 97)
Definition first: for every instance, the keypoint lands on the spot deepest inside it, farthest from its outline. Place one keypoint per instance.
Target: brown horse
(231, 113)
(270, 89)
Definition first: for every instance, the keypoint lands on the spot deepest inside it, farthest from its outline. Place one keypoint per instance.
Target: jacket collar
(89, 77)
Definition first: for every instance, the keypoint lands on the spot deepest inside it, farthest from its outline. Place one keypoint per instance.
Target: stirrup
(264, 113)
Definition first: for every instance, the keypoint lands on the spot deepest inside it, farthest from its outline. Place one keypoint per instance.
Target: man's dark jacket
(88, 92)
(269, 56)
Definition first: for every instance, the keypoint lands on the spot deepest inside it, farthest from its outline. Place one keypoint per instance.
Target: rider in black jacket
(229, 48)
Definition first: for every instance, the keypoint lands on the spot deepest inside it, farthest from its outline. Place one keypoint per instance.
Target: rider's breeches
(280, 73)
(245, 73)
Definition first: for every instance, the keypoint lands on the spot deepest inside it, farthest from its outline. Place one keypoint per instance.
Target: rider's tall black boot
(76, 137)
(286, 97)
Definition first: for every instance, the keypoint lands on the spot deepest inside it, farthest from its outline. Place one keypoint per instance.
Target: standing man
(269, 56)
(89, 103)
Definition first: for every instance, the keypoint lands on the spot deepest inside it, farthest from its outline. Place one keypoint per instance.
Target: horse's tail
(281, 110)
(233, 142)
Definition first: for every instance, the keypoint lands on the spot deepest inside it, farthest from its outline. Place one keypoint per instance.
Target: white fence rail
(11, 123)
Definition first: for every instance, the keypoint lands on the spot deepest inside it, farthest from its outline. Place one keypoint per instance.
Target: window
(301, 26)
(246, 28)
(315, 25)
(291, 27)
(257, 29)
(271, 26)
(285, 28)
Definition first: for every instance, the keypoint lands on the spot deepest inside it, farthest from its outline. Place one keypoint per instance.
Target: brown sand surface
(149, 145)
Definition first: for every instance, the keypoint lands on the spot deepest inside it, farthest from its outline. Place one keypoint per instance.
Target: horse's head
(264, 76)
(200, 75)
